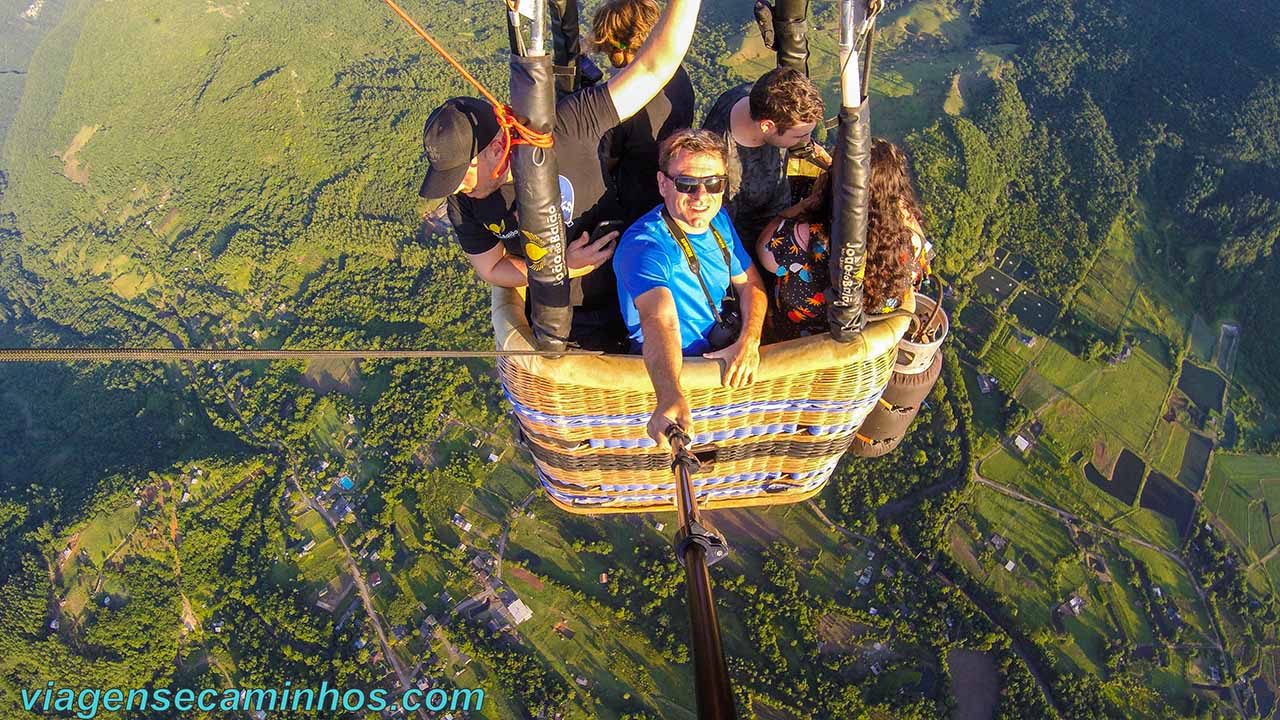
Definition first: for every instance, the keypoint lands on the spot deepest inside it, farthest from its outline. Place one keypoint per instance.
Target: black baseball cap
(454, 134)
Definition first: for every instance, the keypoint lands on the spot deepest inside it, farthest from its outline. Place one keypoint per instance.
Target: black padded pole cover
(851, 177)
(565, 41)
(791, 34)
(538, 199)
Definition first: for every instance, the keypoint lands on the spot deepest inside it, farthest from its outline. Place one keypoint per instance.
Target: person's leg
(566, 39)
(600, 329)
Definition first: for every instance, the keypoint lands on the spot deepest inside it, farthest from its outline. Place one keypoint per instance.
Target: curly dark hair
(787, 97)
(890, 255)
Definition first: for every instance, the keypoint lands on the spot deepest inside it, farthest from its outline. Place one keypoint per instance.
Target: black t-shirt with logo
(758, 188)
(629, 152)
(581, 120)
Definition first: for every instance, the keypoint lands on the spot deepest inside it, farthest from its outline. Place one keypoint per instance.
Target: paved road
(362, 587)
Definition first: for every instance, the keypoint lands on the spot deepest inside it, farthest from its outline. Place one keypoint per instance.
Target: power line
(62, 355)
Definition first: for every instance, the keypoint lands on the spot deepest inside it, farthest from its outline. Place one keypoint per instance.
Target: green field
(1063, 369)
(1171, 578)
(1074, 428)
(1005, 366)
(1168, 443)
(1030, 531)
(1048, 569)
(1105, 296)
(1034, 391)
(1242, 491)
(1076, 494)
(986, 411)
(1129, 397)
(613, 658)
(1124, 602)
(1153, 527)
(106, 531)
(329, 429)
(1204, 340)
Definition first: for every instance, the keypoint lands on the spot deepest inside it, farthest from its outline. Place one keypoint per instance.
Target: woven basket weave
(774, 442)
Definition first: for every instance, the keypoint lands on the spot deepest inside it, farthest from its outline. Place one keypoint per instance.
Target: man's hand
(674, 412)
(583, 256)
(741, 358)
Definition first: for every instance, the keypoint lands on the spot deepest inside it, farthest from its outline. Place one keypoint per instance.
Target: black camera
(727, 329)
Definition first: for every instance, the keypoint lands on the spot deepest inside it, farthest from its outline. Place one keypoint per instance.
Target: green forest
(236, 175)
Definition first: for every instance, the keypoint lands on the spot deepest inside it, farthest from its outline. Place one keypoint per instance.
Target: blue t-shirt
(648, 257)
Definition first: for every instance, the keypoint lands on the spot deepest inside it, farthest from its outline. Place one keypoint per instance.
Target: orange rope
(507, 119)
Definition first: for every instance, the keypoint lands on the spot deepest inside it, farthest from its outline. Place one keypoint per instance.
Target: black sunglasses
(689, 185)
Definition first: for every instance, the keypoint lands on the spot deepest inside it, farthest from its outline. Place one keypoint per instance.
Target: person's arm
(743, 357)
(656, 62)
(765, 255)
(496, 267)
(663, 359)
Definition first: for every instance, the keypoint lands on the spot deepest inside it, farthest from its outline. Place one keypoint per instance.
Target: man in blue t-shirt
(668, 311)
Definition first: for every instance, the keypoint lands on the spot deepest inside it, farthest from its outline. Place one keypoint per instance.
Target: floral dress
(799, 299)
(799, 295)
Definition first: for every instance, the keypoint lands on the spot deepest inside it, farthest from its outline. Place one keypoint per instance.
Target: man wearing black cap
(465, 148)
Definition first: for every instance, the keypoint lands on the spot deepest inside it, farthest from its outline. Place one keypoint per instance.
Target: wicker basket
(774, 442)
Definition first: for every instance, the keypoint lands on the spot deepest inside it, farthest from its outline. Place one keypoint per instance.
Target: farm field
(1005, 366)
(1112, 405)
(1109, 288)
(1195, 461)
(1125, 604)
(1089, 499)
(1242, 490)
(1070, 492)
(1204, 340)
(614, 660)
(1204, 387)
(1152, 527)
(1034, 391)
(1168, 445)
(1106, 406)
(1169, 499)
(1127, 398)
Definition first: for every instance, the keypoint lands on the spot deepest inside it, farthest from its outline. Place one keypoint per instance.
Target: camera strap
(690, 257)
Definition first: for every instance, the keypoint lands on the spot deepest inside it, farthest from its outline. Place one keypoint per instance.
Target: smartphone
(607, 227)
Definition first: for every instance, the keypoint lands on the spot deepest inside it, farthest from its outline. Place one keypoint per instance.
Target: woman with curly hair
(795, 247)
